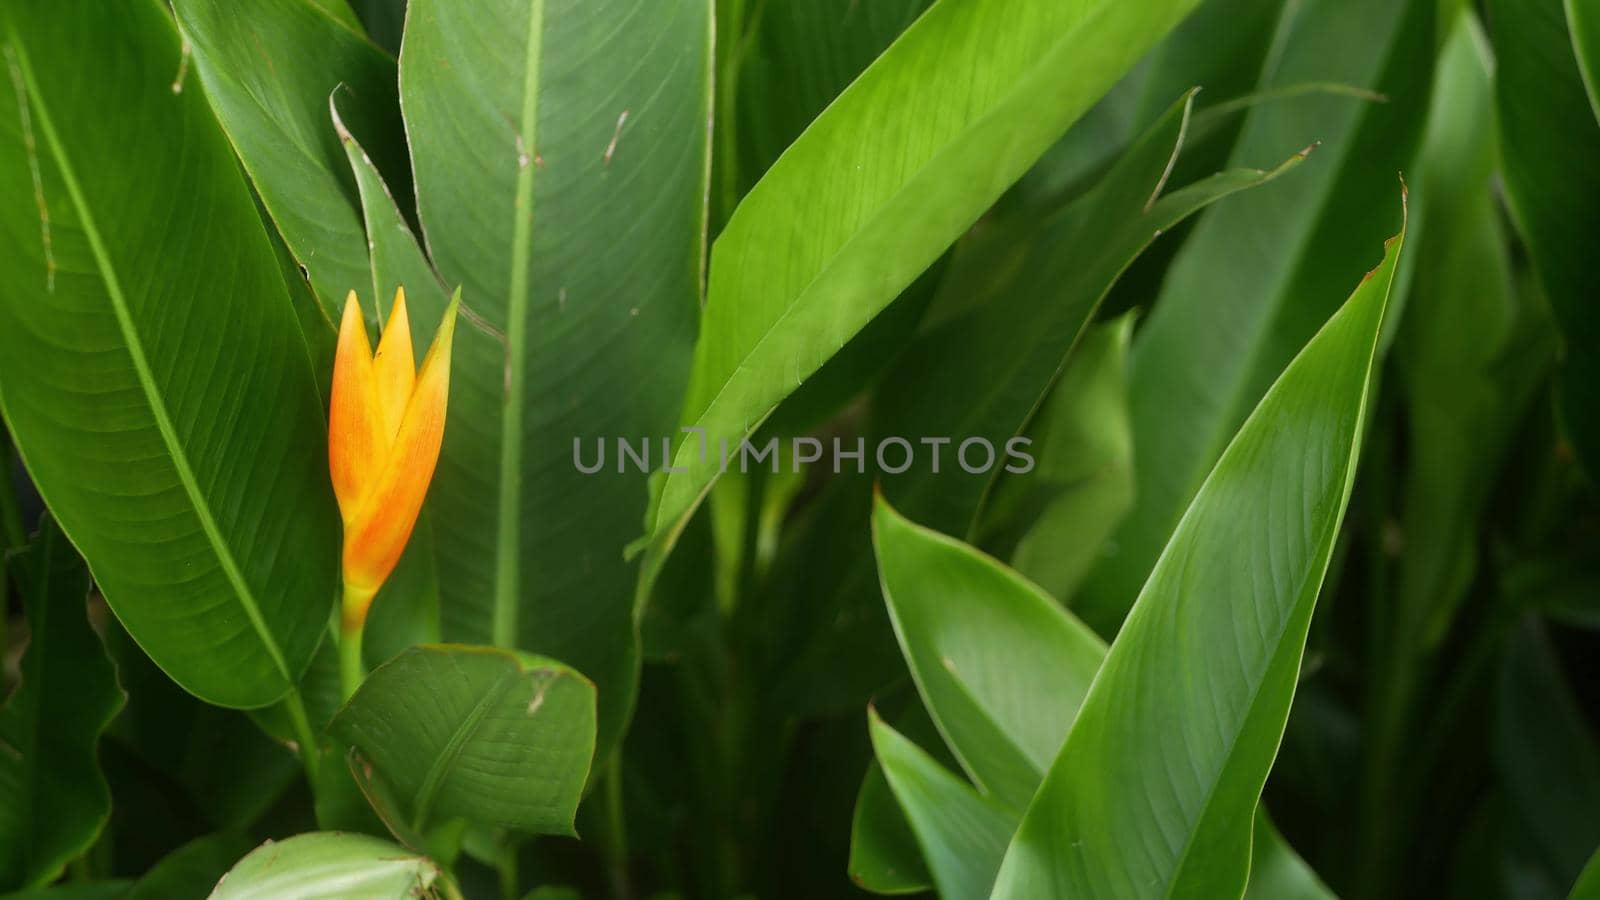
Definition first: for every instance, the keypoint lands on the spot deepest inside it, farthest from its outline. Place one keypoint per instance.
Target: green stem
(351, 670)
(352, 625)
(616, 824)
(447, 886)
(303, 734)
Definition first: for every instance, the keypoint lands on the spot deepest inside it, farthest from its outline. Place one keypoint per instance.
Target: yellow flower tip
(396, 365)
(385, 475)
(354, 430)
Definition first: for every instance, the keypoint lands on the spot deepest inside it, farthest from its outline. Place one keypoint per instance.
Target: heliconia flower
(385, 426)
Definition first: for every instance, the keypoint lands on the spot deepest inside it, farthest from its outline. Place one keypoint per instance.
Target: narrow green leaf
(884, 857)
(1002, 671)
(983, 374)
(495, 737)
(1467, 347)
(1154, 792)
(155, 378)
(328, 865)
(912, 152)
(1261, 273)
(560, 153)
(1583, 21)
(963, 835)
(268, 74)
(1000, 666)
(1053, 521)
(1549, 139)
(53, 797)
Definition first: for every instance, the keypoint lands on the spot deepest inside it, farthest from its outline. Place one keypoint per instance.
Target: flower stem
(352, 624)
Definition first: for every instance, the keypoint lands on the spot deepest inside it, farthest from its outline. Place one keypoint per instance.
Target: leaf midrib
(141, 366)
(508, 534)
(422, 804)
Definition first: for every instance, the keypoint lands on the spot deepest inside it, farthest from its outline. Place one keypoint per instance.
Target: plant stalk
(352, 625)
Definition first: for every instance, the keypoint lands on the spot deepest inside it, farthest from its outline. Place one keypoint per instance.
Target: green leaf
(1051, 522)
(1468, 347)
(1261, 273)
(328, 865)
(963, 834)
(560, 153)
(1154, 792)
(495, 737)
(155, 378)
(1583, 20)
(268, 73)
(884, 857)
(1549, 139)
(193, 869)
(1002, 670)
(1000, 666)
(1588, 885)
(912, 152)
(983, 374)
(53, 797)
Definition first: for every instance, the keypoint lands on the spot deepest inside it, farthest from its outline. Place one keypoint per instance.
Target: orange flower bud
(385, 425)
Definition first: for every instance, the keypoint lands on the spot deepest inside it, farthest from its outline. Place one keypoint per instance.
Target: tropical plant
(1010, 449)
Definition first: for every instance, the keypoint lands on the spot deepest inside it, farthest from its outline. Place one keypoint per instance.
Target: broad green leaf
(1261, 273)
(329, 865)
(154, 376)
(1583, 21)
(1051, 522)
(962, 834)
(884, 857)
(193, 869)
(268, 74)
(983, 374)
(1000, 666)
(1549, 139)
(560, 153)
(492, 736)
(792, 59)
(53, 797)
(1465, 356)
(910, 154)
(1154, 792)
